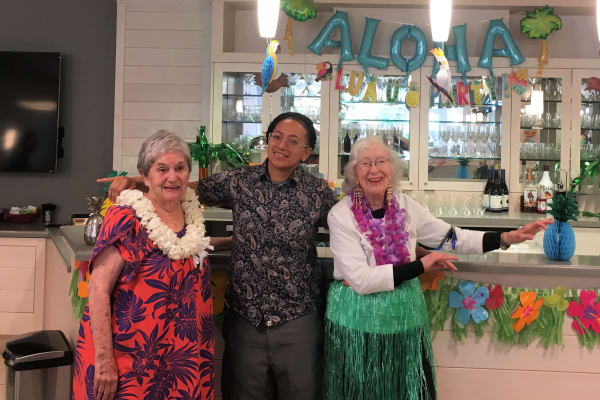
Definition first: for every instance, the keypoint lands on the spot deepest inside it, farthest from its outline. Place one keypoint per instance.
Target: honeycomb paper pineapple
(412, 97)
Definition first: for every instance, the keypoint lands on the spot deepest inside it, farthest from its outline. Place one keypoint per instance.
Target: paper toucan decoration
(324, 71)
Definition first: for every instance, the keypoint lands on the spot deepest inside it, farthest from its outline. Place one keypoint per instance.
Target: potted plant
(559, 238)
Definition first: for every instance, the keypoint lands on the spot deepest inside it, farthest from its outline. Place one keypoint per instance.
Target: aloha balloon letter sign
(456, 52)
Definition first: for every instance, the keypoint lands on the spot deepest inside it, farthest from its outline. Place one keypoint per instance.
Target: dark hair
(302, 119)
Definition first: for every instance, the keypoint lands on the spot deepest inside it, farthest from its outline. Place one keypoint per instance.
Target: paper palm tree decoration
(539, 24)
(299, 10)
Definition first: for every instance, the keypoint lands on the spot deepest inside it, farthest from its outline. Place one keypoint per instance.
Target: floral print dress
(161, 319)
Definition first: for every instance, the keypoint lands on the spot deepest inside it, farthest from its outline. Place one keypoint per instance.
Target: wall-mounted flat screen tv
(29, 111)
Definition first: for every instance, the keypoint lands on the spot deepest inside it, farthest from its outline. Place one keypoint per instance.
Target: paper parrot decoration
(443, 78)
(592, 84)
(538, 24)
(324, 71)
(275, 85)
(299, 10)
(269, 67)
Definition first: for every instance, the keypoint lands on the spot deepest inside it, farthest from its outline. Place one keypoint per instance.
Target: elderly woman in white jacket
(377, 342)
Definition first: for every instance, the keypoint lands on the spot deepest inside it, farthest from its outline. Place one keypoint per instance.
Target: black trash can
(39, 366)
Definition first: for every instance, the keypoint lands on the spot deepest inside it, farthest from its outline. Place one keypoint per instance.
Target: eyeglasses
(277, 138)
(366, 164)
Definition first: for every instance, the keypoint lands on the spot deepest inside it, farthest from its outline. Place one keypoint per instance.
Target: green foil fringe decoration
(375, 344)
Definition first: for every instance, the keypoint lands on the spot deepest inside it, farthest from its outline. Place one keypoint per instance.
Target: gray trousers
(282, 362)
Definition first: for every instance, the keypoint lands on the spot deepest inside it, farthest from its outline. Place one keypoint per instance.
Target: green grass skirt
(378, 346)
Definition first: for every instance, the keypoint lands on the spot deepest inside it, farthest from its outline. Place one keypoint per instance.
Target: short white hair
(398, 165)
(162, 141)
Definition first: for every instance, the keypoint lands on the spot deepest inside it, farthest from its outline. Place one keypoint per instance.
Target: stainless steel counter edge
(499, 262)
(510, 220)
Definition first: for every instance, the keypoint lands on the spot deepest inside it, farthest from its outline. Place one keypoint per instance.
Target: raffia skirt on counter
(378, 346)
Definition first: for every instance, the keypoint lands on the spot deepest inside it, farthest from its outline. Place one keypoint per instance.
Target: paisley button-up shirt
(273, 276)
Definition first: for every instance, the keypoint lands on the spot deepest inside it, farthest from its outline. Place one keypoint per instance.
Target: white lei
(194, 243)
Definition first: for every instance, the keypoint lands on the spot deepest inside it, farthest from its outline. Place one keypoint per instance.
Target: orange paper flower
(528, 311)
(429, 280)
(83, 286)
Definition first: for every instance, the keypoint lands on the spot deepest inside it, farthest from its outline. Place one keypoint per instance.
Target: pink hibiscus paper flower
(586, 314)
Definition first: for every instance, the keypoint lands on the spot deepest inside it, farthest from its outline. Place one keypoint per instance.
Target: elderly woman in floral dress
(377, 342)
(147, 331)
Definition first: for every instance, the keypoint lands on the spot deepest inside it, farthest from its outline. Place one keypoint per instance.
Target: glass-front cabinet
(242, 113)
(541, 132)
(446, 144)
(239, 109)
(463, 131)
(306, 94)
(586, 120)
(357, 112)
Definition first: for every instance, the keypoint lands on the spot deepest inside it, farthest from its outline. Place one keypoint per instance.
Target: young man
(273, 335)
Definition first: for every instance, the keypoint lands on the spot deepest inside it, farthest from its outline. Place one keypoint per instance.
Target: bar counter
(522, 259)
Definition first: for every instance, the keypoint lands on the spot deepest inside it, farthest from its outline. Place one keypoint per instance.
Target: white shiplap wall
(162, 76)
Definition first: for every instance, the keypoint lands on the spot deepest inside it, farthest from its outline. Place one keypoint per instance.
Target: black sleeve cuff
(491, 241)
(405, 272)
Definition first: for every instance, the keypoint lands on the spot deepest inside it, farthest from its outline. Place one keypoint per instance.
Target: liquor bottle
(485, 201)
(504, 190)
(347, 143)
(396, 142)
(560, 189)
(545, 192)
(523, 172)
(496, 192)
(529, 193)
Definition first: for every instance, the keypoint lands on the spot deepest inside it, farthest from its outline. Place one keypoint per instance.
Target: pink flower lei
(387, 235)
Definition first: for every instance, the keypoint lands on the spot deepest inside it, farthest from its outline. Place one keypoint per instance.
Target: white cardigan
(353, 256)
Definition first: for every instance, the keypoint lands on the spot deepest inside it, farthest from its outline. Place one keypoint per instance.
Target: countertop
(31, 230)
(489, 220)
(523, 259)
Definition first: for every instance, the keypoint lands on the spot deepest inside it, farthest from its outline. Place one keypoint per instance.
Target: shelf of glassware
(241, 106)
(465, 140)
(542, 140)
(389, 120)
(459, 143)
(388, 130)
(303, 94)
(590, 125)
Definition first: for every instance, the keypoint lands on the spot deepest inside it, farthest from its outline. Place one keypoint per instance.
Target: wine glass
(455, 136)
(445, 136)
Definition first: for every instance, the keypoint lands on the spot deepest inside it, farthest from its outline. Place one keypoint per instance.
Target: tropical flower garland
(515, 316)
(193, 243)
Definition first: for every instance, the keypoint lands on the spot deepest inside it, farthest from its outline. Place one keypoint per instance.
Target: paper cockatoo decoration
(269, 67)
(443, 79)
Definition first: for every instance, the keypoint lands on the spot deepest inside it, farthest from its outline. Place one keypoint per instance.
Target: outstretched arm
(120, 183)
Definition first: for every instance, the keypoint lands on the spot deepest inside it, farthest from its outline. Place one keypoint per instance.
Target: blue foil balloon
(408, 32)
(339, 20)
(455, 52)
(364, 54)
(511, 50)
(461, 55)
